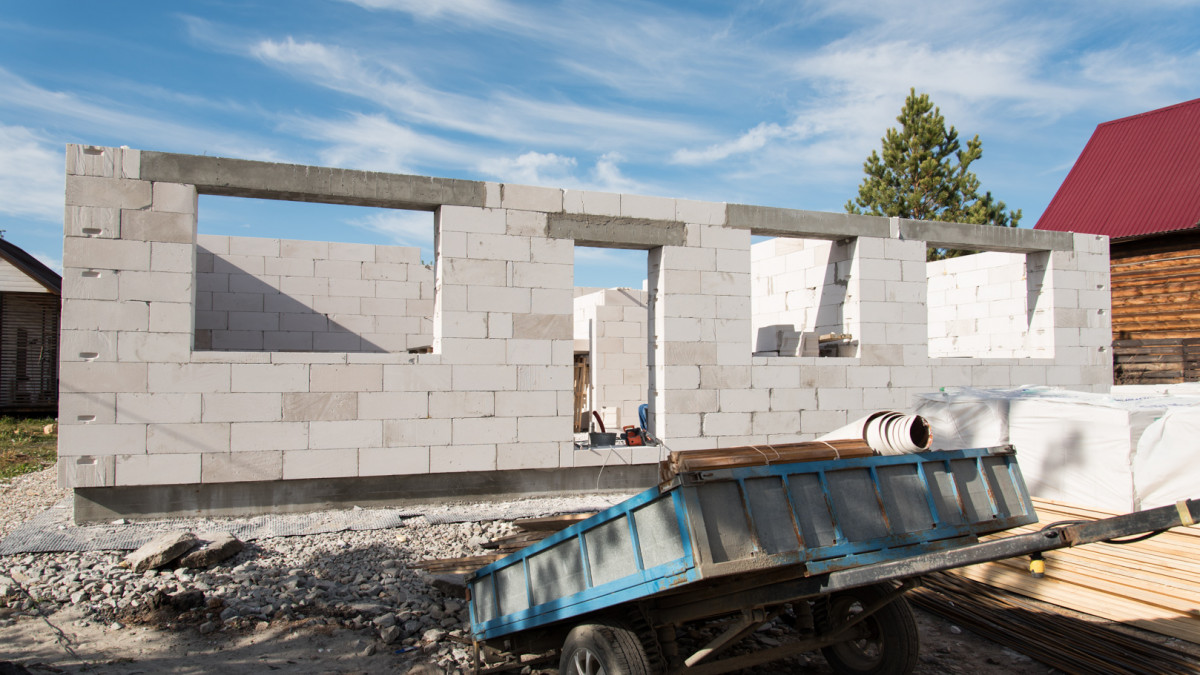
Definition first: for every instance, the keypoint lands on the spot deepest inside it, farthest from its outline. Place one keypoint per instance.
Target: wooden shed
(30, 305)
(1138, 182)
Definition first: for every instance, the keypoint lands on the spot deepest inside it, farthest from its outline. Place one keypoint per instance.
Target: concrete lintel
(616, 232)
(296, 182)
(297, 496)
(776, 222)
(985, 237)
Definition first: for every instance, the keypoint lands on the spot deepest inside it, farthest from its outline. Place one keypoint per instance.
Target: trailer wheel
(885, 643)
(608, 648)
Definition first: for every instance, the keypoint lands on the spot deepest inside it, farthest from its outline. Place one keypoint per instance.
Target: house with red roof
(1137, 181)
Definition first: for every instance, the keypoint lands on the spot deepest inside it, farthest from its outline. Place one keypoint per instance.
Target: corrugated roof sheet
(1137, 175)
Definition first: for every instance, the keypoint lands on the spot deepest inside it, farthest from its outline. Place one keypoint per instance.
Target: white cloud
(532, 168)
(94, 115)
(498, 115)
(402, 228)
(750, 141)
(375, 143)
(490, 13)
(31, 176)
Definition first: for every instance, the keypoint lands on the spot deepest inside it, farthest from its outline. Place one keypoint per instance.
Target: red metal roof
(1137, 175)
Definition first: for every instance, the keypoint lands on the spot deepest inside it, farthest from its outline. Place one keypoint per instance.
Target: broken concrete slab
(160, 551)
(212, 549)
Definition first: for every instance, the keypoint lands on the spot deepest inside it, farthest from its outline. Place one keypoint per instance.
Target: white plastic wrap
(1166, 466)
(1073, 447)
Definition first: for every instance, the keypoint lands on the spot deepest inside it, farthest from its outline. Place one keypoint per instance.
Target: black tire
(608, 648)
(885, 643)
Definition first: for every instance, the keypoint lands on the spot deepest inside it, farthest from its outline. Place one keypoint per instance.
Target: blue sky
(773, 102)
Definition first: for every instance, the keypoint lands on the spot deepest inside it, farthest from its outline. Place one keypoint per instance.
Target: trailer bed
(750, 525)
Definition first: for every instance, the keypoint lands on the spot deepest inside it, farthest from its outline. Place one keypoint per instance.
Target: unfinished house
(171, 406)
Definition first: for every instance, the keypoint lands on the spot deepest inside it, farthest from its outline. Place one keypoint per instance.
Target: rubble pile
(358, 580)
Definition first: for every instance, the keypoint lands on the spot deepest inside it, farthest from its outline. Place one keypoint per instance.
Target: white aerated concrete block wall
(311, 296)
(979, 306)
(613, 323)
(799, 284)
(144, 401)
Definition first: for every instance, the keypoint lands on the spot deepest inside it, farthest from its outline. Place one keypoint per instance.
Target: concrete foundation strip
(53, 531)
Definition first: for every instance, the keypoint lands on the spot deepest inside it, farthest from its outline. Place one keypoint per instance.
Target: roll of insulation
(887, 433)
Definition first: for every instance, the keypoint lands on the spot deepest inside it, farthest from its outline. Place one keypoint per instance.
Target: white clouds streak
(31, 176)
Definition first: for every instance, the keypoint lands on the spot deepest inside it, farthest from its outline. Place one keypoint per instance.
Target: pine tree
(924, 174)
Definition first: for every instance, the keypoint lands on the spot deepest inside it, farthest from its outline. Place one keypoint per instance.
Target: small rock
(160, 551)
(433, 635)
(385, 620)
(956, 630)
(207, 627)
(212, 549)
(369, 650)
(390, 634)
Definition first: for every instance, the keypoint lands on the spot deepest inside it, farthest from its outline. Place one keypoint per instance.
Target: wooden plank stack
(686, 461)
(1152, 584)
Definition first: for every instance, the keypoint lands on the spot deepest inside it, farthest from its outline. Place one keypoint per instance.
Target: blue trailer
(829, 545)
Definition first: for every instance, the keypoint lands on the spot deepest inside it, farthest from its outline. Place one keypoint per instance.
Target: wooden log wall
(1156, 309)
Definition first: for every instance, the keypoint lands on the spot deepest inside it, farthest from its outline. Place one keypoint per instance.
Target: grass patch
(25, 447)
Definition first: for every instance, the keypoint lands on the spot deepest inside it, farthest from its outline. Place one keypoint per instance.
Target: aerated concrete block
(592, 203)
(345, 434)
(241, 407)
(189, 377)
(256, 436)
(416, 432)
(300, 464)
(417, 377)
(393, 461)
(471, 219)
(154, 286)
(157, 469)
(479, 377)
(545, 429)
(87, 408)
(510, 456)
(178, 228)
(531, 198)
(700, 213)
(240, 467)
(92, 222)
(101, 376)
(107, 192)
(249, 377)
(452, 404)
(654, 208)
(462, 458)
(86, 471)
(147, 408)
(303, 407)
(359, 377)
(390, 405)
(109, 254)
(101, 439)
(185, 438)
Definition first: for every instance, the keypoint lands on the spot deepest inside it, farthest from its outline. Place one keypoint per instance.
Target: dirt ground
(308, 649)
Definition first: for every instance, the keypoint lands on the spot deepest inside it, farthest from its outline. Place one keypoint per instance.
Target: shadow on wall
(237, 310)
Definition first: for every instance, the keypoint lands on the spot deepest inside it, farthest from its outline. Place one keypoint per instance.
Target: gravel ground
(24, 496)
(343, 602)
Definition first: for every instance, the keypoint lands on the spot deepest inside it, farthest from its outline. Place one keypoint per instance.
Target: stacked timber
(686, 461)
(1152, 584)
